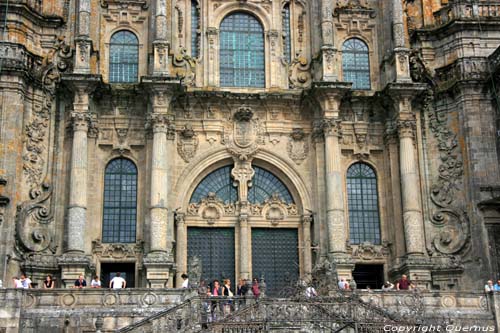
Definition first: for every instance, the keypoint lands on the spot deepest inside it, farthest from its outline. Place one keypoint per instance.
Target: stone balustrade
(17, 57)
(467, 10)
(36, 310)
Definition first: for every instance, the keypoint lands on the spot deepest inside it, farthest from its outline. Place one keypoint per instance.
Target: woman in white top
(185, 283)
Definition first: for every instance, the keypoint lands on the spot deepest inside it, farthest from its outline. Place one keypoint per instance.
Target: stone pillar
(159, 261)
(334, 189)
(74, 261)
(244, 248)
(416, 263)
(410, 189)
(181, 250)
(306, 243)
(160, 43)
(82, 40)
(401, 52)
(329, 96)
(211, 71)
(328, 50)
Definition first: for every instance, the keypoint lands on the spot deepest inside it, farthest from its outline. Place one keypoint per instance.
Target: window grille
(123, 57)
(287, 33)
(195, 26)
(356, 64)
(219, 182)
(362, 197)
(241, 51)
(120, 202)
(264, 185)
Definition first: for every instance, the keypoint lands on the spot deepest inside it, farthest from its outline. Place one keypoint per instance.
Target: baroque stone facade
(422, 114)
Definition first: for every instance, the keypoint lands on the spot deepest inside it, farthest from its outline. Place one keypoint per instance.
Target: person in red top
(404, 283)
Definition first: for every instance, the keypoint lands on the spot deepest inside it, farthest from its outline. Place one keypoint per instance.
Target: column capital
(332, 127)
(406, 128)
(180, 218)
(307, 219)
(161, 123)
(82, 121)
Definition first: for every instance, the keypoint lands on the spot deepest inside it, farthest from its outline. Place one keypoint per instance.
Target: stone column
(334, 189)
(410, 189)
(159, 261)
(213, 56)
(401, 52)
(328, 50)
(74, 262)
(160, 43)
(416, 263)
(244, 248)
(181, 250)
(306, 243)
(82, 40)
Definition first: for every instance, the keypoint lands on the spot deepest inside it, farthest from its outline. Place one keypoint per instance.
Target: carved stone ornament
(211, 208)
(297, 146)
(187, 143)
(299, 73)
(117, 250)
(161, 123)
(34, 228)
(184, 67)
(122, 126)
(243, 137)
(369, 251)
(274, 209)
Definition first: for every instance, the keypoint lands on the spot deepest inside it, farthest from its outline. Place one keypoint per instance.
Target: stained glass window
(123, 57)
(195, 26)
(219, 182)
(362, 197)
(286, 32)
(356, 63)
(241, 51)
(120, 202)
(264, 185)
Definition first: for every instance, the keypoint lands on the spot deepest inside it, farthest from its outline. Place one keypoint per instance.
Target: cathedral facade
(251, 138)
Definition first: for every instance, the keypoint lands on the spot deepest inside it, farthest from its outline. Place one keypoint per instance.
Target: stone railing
(467, 10)
(16, 57)
(35, 310)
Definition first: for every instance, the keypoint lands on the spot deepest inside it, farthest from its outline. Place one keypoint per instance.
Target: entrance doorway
(109, 270)
(215, 248)
(368, 276)
(275, 255)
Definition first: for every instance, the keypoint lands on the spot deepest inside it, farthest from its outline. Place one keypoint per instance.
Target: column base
(159, 269)
(417, 268)
(343, 264)
(72, 266)
(329, 270)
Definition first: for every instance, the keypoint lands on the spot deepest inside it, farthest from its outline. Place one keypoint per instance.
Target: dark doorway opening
(368, 276)
(109, 270)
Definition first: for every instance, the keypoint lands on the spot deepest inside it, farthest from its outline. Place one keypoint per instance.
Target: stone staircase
(340, 313)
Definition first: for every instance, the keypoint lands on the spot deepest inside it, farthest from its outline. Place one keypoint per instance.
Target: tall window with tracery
(356, 64)
(364, 223)
(120, 202)
(286, 33)
(195, 27)
(242, 62)
(123, 57)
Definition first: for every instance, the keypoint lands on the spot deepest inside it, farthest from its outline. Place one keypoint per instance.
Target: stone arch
(212, 160)
(249, 8)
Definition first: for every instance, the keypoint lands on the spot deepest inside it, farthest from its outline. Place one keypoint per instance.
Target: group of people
(216, 289)
(402, 284)
(49, 283)
(116, 283)
(489, 287)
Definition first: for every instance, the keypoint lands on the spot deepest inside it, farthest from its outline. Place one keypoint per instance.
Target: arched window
(120, 202)
(123, 57)
(241, 51)
(287, 33)
(356, 63)
(195, 26)
(264, 185)
(362, 197)
(218, 182)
